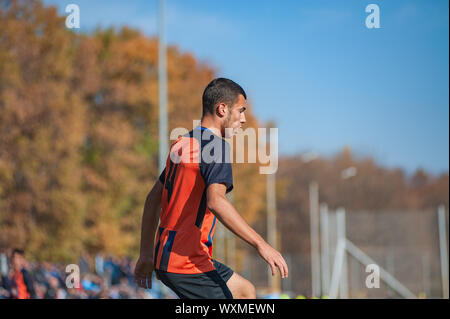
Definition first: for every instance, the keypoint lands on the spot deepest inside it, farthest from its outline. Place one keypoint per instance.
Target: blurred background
(362, 117)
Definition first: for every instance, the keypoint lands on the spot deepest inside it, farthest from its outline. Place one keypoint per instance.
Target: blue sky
(314, 68)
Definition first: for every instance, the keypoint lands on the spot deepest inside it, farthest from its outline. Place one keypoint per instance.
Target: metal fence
(409, 247)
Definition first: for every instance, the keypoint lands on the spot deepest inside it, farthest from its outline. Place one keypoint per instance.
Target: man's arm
(150, 218)
(29, 283)
(218, 203)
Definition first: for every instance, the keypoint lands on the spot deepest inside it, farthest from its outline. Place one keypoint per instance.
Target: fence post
(343, 286)
(337, 268)
(426, 275)
(340, 272)
(443, 250)
(314, 233)
(3, 264)
(325, 249)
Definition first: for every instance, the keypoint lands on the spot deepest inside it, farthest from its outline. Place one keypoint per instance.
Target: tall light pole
(346, 174)
(314, 233)
(272, 237)
(443, 250)
(162, 86)
(274, 281)
(324, 249)
(314, 228)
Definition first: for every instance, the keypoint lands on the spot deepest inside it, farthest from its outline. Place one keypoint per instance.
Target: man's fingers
(284, 267)
(272, 265)
(139, 282)
(280, 269)
(276, 260)
(143, 281)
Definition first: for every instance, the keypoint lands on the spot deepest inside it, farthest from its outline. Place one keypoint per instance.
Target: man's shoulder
(211, 146)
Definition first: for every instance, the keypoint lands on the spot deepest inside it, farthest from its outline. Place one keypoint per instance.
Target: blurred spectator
(3, 264)
(54, 291)
(45, 280)
(22, 284)
(84, 263)
(99, 269)
(5, 287)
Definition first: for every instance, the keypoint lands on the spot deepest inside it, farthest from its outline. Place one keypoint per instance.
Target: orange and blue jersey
(21, 291)
(185, 235)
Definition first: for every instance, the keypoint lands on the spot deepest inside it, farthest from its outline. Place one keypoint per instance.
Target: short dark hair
(18, 251)
(220, 90)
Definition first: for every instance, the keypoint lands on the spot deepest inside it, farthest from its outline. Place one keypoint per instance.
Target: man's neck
(214, 127)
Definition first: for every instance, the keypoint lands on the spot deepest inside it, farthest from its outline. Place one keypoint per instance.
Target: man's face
(17, 261)
(235, 117)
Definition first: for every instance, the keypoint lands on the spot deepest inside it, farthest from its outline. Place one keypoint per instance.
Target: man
(190, 194)
(21, 283)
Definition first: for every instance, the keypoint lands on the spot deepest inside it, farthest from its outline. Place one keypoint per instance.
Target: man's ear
(221, 109)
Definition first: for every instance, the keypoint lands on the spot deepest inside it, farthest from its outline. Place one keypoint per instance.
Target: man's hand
(144, 265)
(273, 258)
(218, 203)
(143, 272)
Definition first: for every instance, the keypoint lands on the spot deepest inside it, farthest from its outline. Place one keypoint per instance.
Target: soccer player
(188, 199)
